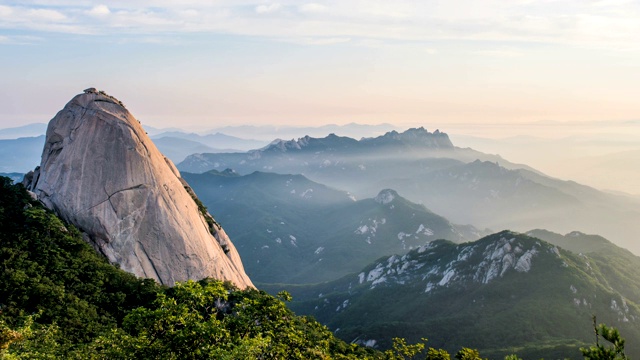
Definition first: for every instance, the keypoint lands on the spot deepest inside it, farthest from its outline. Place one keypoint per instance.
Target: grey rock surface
(102, 173)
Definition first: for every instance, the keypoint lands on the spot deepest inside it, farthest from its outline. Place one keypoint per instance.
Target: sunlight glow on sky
(433, 63)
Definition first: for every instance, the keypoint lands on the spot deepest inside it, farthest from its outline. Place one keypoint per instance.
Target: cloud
(324, 41)
(312, 8)
(99, 11)
(500, 53)
(144, 20)
(5, 11)
(189, 13)
(606, 24)
(46, 15)
(19, 40)
(40, 19)
(265, 9)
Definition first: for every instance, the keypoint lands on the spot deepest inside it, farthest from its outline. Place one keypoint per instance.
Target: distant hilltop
(411, 138)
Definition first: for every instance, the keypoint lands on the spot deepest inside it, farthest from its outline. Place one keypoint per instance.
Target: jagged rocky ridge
(497, 258)
(101, 172)
(411, 138)
(326, 151)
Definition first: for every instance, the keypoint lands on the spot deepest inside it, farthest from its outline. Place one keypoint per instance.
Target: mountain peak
(386, 196)
(92, 94)
(417, 131)
(228, 172)
(412, 138)
(102, 173)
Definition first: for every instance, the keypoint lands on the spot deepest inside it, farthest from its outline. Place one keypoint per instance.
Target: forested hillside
(505, 293)
(61, 299)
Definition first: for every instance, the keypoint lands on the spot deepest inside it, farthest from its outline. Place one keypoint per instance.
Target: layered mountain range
(505, 293)
(463, 185)
(21, 154)
(102, 173)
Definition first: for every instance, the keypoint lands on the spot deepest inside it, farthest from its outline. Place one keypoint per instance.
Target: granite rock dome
(102, 173)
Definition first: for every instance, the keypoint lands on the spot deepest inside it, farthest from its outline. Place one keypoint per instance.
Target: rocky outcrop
(413, 138)
(101, 172)
(385, 196)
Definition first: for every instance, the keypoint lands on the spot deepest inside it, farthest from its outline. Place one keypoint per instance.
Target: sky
(440, 64)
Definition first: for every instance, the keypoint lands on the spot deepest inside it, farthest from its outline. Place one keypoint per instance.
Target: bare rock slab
(103, 174)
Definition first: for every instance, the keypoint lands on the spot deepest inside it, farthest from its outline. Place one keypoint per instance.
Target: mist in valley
(496, 176)
(604, 155)
(508, 183)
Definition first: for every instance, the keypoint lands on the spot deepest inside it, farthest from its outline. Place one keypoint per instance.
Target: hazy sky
(214, 63)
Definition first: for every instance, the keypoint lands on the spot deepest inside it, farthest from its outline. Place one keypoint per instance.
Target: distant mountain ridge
(215, 141)
(15, 177)
(21, 154)
(29, 130)
(177, 149)
(575, 241)
(411, 138)
(414, 143)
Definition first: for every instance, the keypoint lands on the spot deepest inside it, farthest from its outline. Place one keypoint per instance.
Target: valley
(305, 232)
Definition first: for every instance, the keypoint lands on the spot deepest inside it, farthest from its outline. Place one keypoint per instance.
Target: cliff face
(101, 172)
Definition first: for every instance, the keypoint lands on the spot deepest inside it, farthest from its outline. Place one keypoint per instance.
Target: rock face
(101, 172)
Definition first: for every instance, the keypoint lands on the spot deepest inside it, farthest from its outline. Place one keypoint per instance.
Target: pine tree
(601, 352)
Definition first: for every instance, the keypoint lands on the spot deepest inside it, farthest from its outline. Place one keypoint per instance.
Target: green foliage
(8, 336)
(60, 299)
(49, 270)
(209, 319)
(468, 354)
(401, 350)
(601, 352)
(438, 354)
(211, 222)
(180, 324)
(512, 357)
(35, 341)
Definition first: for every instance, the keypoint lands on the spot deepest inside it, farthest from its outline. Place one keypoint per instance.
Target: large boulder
(102, 173)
